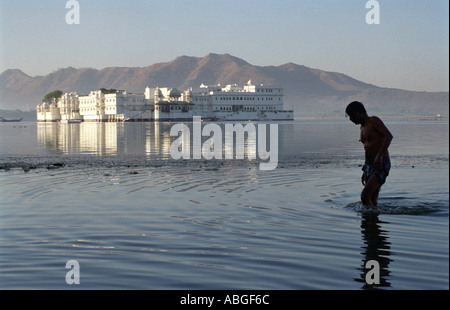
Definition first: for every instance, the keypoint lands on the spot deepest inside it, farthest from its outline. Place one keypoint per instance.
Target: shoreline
(30, 116)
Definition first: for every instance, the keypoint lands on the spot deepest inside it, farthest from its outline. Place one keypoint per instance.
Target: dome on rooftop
(173, 92)
(158, 92)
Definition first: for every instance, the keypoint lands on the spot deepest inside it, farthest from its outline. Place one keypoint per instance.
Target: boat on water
(70, 121)
(2, 119)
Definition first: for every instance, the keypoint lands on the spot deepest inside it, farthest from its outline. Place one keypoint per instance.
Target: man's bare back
(373, 134)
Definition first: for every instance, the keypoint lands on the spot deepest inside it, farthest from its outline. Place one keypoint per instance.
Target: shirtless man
(376, 139)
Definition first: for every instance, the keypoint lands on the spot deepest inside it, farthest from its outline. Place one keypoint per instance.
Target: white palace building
(233, 102)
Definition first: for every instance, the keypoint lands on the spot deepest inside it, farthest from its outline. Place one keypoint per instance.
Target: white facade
(68, 107)
(48, 112)
(249, 102)
(118, 106)
(232, 102)
(171, 104)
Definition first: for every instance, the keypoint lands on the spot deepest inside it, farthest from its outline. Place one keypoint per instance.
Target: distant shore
(31, 116)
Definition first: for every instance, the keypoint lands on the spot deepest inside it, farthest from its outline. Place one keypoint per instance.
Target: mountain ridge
(310, 92)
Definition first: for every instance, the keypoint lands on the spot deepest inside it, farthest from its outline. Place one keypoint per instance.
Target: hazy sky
(408, 49)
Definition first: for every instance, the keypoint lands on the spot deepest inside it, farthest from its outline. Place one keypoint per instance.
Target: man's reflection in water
(376, 247)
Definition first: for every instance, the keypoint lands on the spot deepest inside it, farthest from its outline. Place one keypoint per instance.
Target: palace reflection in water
(151, 139)
(106, 139)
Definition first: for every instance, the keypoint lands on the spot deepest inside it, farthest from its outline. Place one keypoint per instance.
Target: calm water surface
(110, 196)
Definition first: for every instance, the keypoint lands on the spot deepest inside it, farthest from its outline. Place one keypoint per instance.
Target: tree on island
(108, 91)
(52, 96)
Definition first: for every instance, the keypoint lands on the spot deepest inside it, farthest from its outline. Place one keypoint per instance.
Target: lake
(110, 197)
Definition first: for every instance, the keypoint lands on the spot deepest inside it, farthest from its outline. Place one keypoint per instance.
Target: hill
(310, 92)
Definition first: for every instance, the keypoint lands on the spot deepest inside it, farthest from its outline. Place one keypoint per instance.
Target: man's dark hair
(355, 106)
